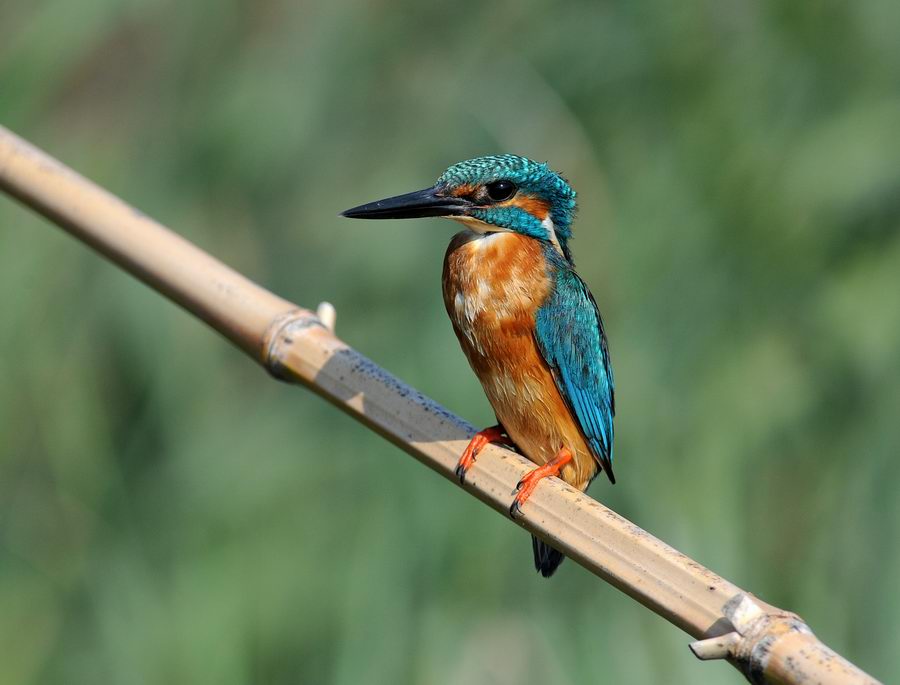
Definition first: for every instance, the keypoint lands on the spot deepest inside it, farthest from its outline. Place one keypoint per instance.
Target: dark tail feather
(546, 558)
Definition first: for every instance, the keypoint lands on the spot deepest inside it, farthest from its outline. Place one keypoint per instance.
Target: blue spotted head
(496, 193)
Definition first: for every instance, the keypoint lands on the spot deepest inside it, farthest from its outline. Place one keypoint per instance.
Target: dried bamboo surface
(767, 644)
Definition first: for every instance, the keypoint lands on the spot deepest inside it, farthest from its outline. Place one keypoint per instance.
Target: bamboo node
(755, 633)
(282, 331)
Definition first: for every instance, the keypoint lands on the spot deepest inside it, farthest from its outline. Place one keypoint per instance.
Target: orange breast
(493, 286)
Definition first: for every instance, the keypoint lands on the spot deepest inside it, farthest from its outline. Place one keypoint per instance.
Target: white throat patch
(478, 226)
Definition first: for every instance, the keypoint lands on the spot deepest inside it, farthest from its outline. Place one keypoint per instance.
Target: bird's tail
(546, 558)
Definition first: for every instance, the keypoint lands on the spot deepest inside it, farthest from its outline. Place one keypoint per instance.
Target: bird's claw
(466, 461)
(526, 485)
(515, 509)
(476, 444)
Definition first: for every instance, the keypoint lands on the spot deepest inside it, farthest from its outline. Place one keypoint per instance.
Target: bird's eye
(499, 191)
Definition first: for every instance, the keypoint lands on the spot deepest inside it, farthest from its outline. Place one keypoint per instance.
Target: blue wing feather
(570, 335)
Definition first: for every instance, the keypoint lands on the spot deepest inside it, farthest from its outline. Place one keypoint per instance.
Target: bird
(526, 321)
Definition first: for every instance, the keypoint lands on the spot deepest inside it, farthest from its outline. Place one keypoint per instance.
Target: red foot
(530, 480)
(476, 444)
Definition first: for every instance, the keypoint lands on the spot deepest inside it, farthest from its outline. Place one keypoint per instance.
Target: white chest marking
(480, 298)
(481, 295)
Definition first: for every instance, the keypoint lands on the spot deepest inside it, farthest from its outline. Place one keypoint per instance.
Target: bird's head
(488, 194)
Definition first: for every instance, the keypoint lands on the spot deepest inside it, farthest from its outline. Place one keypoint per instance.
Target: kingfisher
(525, 320)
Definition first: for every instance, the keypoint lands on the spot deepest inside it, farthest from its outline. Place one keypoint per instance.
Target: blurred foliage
(170, 515)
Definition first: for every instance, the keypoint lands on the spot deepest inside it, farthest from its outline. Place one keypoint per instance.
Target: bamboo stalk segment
(766, 644)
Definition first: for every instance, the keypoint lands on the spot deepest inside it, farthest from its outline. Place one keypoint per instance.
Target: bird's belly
(524, 397)
(494, 320)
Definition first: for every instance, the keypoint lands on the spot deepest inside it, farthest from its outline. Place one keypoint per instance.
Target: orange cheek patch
(533, 205)
(463, 191)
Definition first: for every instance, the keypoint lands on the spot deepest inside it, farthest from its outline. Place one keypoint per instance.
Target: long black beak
(428, 202)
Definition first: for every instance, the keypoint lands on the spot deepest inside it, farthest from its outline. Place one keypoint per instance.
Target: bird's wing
(570, 336)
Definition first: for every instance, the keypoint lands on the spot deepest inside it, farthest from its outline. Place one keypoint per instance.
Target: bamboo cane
(767, 644)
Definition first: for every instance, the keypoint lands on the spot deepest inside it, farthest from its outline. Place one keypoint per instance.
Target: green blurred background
(168, 514)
